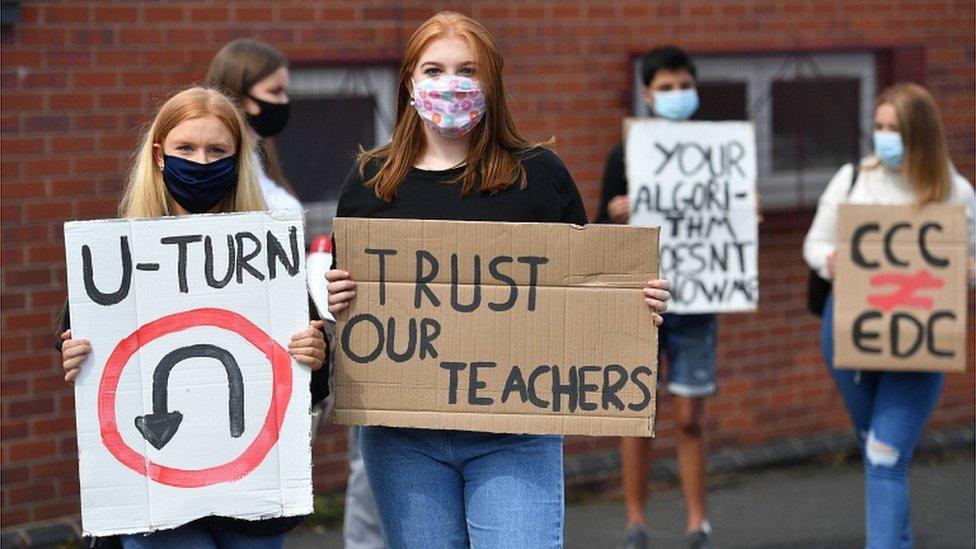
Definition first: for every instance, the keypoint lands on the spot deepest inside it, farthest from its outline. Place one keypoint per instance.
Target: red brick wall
(79, 77)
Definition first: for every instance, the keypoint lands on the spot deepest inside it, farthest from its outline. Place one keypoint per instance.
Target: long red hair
(493, 162)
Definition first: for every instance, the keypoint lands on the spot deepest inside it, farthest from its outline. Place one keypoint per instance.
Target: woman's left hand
(656, 295)
(308, 346)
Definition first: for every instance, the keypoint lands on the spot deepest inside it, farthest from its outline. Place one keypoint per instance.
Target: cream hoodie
(875, 184)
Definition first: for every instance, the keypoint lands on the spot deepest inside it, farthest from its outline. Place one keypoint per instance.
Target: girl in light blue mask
(888, 409)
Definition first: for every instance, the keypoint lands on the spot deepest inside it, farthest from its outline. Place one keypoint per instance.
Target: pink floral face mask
(451, 105)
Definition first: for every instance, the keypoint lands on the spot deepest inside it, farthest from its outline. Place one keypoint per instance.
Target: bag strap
(854, 175)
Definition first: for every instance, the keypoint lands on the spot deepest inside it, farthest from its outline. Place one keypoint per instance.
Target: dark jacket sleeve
(319, 384)
(614, 182)
(64, 324)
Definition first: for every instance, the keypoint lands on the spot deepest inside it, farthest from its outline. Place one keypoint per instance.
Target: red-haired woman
(456, 154)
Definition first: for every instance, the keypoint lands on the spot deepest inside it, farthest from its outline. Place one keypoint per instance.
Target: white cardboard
(117, 498)
(697, 181)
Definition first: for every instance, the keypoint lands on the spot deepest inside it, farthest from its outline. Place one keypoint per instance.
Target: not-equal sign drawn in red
(904, 293)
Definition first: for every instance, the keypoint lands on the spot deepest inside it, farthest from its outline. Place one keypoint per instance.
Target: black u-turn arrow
(159, 427)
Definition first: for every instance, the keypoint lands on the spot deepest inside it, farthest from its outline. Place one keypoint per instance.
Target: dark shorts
(689, 343)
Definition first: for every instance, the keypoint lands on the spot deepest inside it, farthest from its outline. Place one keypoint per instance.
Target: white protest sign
(697, 181)
(189, 404)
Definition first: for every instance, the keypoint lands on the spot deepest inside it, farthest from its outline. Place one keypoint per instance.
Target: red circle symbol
(255, 453)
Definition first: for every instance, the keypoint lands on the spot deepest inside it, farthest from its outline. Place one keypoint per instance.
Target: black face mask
(271, 120)
(199, 187)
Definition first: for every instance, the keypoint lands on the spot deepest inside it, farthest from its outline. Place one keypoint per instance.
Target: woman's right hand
(73, 353)
(832, 265)
(341, 290)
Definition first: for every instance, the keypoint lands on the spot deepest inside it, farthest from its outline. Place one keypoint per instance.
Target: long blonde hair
(493, 162)
(926, 163)
(236, 68)
(145, 193)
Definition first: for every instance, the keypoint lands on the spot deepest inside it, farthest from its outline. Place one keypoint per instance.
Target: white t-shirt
(878, 185)
(275, 195)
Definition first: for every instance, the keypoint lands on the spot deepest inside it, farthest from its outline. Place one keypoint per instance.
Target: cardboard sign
(497, 327)
(900, 290)
(697, 181)
(189, 404)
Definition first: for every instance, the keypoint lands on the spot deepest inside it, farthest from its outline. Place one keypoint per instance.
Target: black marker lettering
(474, 384)
(411, 340)
(610, 388)
(923, 245)
(501, 277)
(276, 252)
(347, 336)
(181, 243)
(382, 253)
(208, 263)
(860, 336)
(422, 279)
(93, 292)
(455, 282)
(454, 368)
(243, 260)
(533, 262)
(515, 382)
(584, 387)
(429, 330)
(648, 395)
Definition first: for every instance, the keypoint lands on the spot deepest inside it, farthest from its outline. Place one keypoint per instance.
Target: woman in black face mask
(256, 75)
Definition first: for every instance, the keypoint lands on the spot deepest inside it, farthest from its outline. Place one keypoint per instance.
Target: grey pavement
(802, 507)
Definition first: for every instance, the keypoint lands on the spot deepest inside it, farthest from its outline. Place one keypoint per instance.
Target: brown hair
(236, 68)
(493, 162)
(926, 163)
(145, 193)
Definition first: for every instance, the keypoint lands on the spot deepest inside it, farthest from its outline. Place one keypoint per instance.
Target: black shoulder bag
(817, 288)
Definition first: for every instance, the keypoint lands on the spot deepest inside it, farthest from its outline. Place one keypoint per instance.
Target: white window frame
(795, 188)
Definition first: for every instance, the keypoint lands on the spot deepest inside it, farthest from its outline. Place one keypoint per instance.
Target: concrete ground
(801, 507)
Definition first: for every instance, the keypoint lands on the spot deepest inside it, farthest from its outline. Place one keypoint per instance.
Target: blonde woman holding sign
(459, 156)
(195, 159)
(888, 409)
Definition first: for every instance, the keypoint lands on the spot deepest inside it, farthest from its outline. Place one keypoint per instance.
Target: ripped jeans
(889, 411)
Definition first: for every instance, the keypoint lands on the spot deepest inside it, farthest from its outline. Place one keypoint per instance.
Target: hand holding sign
(697, 181)
(342, 289)
(499, 327)
(73, 353)
(190, 350)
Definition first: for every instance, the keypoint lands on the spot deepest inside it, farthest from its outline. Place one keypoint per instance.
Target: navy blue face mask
(199, 187)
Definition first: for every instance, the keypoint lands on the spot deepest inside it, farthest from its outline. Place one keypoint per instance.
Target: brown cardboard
(864, 337)
(588, 312)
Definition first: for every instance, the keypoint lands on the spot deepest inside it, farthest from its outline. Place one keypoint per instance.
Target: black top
(550, 196)
(614, 182)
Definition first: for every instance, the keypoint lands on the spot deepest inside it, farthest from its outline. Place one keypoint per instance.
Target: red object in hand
(321, 243)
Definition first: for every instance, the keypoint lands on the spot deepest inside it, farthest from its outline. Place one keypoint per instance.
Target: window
(812, 114)
(333, 111)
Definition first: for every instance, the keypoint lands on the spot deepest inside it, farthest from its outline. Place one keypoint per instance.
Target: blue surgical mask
(889, 148)
(199, 187)
(677, 104)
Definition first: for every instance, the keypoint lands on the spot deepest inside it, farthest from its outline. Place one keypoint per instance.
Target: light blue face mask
(889, 148)
(677, 104)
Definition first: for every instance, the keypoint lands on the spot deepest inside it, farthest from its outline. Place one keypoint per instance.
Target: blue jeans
(200, 535)
(889, 411)
(689, 342)
(455, 489)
